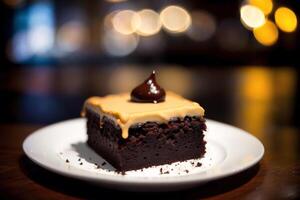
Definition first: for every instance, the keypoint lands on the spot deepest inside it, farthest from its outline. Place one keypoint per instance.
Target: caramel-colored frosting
(127, 113)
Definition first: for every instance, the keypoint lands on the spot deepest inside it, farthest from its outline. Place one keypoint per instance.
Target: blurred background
(238, 59)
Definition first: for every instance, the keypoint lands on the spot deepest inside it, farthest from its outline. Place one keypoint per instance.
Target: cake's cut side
(149, 143)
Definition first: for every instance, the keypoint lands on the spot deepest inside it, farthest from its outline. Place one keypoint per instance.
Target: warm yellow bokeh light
(266, 34)
(175, 19)
(286, 19)
(150, 22)
(265, 5)
(108, 20)
(126, 22)
(251, 16)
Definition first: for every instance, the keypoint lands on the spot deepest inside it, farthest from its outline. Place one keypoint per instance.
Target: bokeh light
(41, 27)
(19, 49)
(126, 21)
(267, 34)
(71, 36)
(251, 16)
(203, 26)
(286, 19)
(117, 44)
(40, 39)
(265, 5)
(175, 19)
(150, 23)
(108, 20)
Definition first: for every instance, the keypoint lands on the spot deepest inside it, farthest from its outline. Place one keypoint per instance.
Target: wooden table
(277, 176)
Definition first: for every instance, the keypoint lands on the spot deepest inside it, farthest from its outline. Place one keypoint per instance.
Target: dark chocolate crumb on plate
(198, 164)
(80, 163)
(161, 170)
(187, 171)
(67, 161)
(79, 159)
(104, 163)
(120, 172)
(166, 172)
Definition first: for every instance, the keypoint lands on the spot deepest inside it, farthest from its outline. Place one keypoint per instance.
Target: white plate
(229, 151)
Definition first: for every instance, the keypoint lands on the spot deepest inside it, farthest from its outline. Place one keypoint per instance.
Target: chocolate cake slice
(142, 131)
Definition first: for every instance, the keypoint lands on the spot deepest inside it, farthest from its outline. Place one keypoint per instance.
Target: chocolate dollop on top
(149, 91)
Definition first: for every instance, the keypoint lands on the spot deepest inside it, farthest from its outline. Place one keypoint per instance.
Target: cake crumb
(80, 163)
(187, 171)
(79, 159)
(104, 163)
(161, 170)
(198, 164)
(166, 172)
(67, 161)
(120, 172)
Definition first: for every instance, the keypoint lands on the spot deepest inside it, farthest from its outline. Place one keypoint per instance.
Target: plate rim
(112, 179)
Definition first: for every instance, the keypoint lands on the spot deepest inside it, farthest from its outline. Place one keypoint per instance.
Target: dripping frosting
(126, 113)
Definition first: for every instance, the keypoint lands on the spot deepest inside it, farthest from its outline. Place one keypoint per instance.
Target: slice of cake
(145, 128)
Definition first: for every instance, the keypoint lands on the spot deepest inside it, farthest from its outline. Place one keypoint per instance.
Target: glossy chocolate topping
(149, 91)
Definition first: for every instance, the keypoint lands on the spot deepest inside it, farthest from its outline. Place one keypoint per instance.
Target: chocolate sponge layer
(148, 144)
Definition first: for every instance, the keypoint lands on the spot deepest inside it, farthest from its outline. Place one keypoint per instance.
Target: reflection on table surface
(251, 97)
